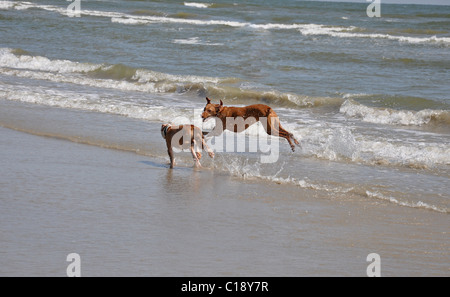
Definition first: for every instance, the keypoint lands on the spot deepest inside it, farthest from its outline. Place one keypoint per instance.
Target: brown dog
(184, 137)
(250, 115)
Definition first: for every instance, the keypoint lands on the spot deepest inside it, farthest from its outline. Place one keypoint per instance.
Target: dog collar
(164, 131)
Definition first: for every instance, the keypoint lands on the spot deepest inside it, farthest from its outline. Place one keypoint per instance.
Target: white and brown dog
(185, 137)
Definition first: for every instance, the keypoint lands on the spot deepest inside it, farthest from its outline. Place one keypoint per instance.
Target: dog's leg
(288, 136)
(274, 128)
(194, 155)
(295, 140)
(289, 140)
(172, 159)
(207, 149)
(170, 152)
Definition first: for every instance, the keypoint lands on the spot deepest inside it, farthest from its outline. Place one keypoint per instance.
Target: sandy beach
(127, 214)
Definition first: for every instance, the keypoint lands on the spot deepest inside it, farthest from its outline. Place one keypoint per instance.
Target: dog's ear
(208, 101)
(219, 107)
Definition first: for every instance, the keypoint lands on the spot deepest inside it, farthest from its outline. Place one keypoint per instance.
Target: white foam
(350, 32)
(413, 155)
(144, 75)
(150, 87)
(194, 41)
(197, 5)
(130, 21)
(7, 4)
(90, 102)
(338, 143)
(8, 59)
(276, 26)
(389, 116)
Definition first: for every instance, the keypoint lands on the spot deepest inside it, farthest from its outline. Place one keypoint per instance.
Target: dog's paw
(211, 154)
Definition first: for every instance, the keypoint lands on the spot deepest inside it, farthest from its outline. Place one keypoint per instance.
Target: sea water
(368, 98)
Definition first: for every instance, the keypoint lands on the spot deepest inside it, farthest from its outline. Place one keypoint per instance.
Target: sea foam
(389, 116)
(198, 5)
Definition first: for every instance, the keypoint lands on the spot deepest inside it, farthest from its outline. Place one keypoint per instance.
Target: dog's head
(164, 129)
(211, 110)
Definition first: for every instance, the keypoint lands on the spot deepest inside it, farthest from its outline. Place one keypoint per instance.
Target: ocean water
(368, 98)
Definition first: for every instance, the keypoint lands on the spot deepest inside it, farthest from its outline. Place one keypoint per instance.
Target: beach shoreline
(127, 214)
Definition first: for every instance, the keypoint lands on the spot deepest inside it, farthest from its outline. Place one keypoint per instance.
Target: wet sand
(128, 214)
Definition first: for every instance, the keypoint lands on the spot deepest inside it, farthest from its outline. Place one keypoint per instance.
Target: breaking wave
(343, 144)
(390, 116)
(355, 32)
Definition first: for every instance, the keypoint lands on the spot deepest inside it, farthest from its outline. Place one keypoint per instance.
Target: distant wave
(304, 29)
(129, 21)
(198, 5)
(353, 32)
